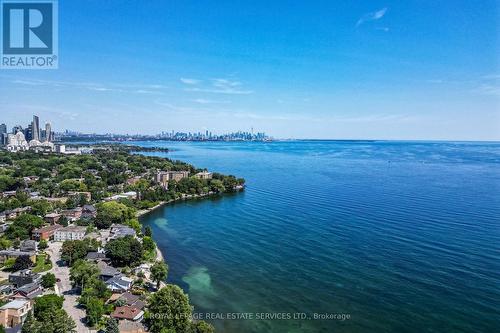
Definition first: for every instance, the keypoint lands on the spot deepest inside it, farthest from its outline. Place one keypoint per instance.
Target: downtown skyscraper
(35, 128)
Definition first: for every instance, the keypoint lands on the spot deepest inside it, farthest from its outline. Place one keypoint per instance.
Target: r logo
(27, 28)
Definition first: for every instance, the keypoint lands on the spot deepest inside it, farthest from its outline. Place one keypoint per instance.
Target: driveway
(64, 287)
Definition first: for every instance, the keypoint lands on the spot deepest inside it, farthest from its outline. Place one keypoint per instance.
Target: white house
(69, 233)
(119, 283)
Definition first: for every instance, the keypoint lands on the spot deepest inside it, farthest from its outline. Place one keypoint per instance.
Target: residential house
(97, 256)
(52, 218)
(133, 180)
(127, 326)
(204, 175)
(120, 230)
(14, 312)
(24, 277)
(143, 269)
(6, 289)
(73, 214)
(28, 245)
(28, 291)
(30, 180)
(3, 217)
(46, 232)
(106, 271)
(128, 313)
(3, 227)
(69, 233)
(119, 284)
(13, 254)
(130, 299)
(131, 195)
(13, 213)
(89, 212)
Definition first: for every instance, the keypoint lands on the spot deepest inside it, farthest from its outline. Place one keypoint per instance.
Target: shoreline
(185, 197)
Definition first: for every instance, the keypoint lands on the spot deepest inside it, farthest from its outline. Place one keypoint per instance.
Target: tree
(95, 289)
(148, 244)
(159, 272)
(31, 325)
(62, 322)
(83, 272)
(94, 310)
(63, 221)
(7, 183)
(49, 317)
(73, 250)
(148, 232)
(22, 262)
(202, 327)
(5, 243)
(124, 251)
(47, 303)
(48, 280)
(42, 245)
(40, 207)
(22, 226)
(112, 326)
(217, 186)
(112, 212)
(174, 304)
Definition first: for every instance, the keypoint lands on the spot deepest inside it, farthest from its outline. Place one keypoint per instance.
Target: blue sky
(294, 69)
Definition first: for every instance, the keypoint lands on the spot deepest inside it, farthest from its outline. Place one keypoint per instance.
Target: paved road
(64, 287)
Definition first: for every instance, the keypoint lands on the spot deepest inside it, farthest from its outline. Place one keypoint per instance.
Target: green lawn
(41, 265)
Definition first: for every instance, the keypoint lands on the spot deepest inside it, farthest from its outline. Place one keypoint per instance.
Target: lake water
(402, 236)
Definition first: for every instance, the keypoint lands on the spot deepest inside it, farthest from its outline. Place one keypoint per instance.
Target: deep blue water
(403, 236)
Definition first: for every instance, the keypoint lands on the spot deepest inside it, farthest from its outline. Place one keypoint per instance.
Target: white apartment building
(69, 233)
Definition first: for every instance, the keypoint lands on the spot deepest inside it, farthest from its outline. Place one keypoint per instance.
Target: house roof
(48, 228)
(127, 312)
(121, 282)
(73, 228)
(14, 253)
(28, 242)
(132, 300)
(29, 288)
(127, 326)
(16, 304)
(52, 215)
(89, 208)
(95, 255)
(107, 270)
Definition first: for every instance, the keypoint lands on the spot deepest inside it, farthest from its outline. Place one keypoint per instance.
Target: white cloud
(222, 86)
(190, 81)
(209, 101)
(487, 89)
(373, 16)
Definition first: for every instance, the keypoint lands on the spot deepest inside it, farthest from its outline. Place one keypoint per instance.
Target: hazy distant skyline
(322, 69)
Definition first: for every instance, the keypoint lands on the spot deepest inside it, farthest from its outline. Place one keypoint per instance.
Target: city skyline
(353, 70)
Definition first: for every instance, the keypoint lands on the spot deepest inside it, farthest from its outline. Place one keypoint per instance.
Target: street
(63, 287)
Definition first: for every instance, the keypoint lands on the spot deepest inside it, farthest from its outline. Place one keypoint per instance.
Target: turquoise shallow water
(402, 236)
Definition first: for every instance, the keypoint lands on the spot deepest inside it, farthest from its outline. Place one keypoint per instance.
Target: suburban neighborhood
(73, 253)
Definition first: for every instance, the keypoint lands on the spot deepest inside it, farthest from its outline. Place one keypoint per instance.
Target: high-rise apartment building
(35, 128)
(48, 132)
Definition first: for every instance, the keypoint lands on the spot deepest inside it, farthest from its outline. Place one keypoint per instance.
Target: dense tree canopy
(173, 304)
(72, 250)
(113, 212)
(124, 251)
